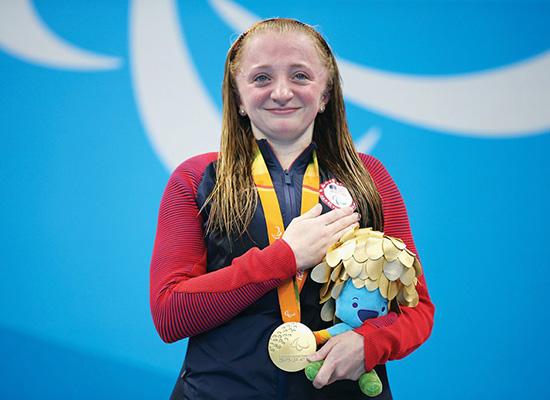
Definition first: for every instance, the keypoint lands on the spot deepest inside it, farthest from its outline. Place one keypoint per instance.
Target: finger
(313, 212)
(321, 353)
(342, 232)
(343, 223)
(324, 375)
(335, 215)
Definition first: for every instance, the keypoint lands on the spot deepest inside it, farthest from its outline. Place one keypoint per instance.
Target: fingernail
(358, 216)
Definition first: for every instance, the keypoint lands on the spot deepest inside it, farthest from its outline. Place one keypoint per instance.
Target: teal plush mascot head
(354, 306)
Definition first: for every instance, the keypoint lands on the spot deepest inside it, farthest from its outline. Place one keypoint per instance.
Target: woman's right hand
(311, 234)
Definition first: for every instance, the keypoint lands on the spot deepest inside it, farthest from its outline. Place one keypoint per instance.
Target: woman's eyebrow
(269, 66)
(260, 66)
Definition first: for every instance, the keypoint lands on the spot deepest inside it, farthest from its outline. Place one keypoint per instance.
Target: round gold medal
(290, 345)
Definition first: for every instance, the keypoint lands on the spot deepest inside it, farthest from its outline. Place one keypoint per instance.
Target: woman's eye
(260, 78)
(300, 76)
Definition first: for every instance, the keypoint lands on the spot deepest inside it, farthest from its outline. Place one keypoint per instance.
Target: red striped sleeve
(393, 337)
(184, 299)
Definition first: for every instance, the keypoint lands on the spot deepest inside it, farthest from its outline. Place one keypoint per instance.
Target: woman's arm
(395, 336)
(184, 299)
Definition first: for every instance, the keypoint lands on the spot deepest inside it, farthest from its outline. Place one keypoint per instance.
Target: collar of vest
(301, 162)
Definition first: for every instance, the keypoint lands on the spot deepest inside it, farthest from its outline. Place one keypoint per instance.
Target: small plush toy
(364, 275)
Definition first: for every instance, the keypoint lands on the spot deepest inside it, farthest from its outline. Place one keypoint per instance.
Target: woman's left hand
(344, 357)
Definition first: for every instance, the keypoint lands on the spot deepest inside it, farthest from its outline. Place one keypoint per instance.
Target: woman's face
(281, 84)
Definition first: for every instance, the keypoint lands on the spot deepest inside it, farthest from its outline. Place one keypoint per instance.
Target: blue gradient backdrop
(81, 186)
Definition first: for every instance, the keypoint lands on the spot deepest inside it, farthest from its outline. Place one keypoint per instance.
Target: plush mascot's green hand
(369, 383)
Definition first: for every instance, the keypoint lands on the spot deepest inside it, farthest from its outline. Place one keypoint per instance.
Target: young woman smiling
(237, 227)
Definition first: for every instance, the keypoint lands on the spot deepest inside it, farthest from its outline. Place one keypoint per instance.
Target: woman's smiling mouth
(282, 110)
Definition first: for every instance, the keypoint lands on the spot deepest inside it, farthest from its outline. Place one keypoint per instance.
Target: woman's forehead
(274, 47)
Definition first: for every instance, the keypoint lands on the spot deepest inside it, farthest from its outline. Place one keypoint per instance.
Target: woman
(221, 257)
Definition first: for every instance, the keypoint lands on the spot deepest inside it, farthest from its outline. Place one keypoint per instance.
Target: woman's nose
(282, 92)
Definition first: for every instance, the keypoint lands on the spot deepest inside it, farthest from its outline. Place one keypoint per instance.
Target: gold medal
(290, 345)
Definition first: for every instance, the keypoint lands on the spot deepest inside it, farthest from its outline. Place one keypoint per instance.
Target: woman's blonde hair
(234, 198)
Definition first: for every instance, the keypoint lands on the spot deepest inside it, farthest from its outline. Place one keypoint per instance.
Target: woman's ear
(237, 98)
(324, 101)
(238, 102)
(326, 98)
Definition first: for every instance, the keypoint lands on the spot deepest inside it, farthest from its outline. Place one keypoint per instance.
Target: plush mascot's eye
(383, 309)
(355, 305)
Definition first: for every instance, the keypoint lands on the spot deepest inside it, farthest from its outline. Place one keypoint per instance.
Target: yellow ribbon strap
(289, 291)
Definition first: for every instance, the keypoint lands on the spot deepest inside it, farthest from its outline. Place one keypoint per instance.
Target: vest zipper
(289, 194)
(287, 177)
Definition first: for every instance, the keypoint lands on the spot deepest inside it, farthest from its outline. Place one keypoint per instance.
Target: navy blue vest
(231, 361)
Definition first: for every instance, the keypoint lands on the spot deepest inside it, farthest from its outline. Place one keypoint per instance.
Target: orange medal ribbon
(289, 291)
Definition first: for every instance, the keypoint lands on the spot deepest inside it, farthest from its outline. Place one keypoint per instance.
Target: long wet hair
(234, 198)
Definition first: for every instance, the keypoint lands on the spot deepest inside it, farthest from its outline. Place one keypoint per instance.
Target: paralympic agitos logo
(514, 98)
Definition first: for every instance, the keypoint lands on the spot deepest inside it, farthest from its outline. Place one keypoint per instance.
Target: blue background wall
(83, 171)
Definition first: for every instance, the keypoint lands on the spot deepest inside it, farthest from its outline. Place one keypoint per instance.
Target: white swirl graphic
(182, 120)
(178, 114)
(509, 101)
(23, 35)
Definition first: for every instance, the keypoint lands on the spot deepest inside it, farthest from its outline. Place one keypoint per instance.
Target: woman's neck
(286, 152)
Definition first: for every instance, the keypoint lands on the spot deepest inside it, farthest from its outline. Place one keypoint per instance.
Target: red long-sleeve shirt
(185, 300)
